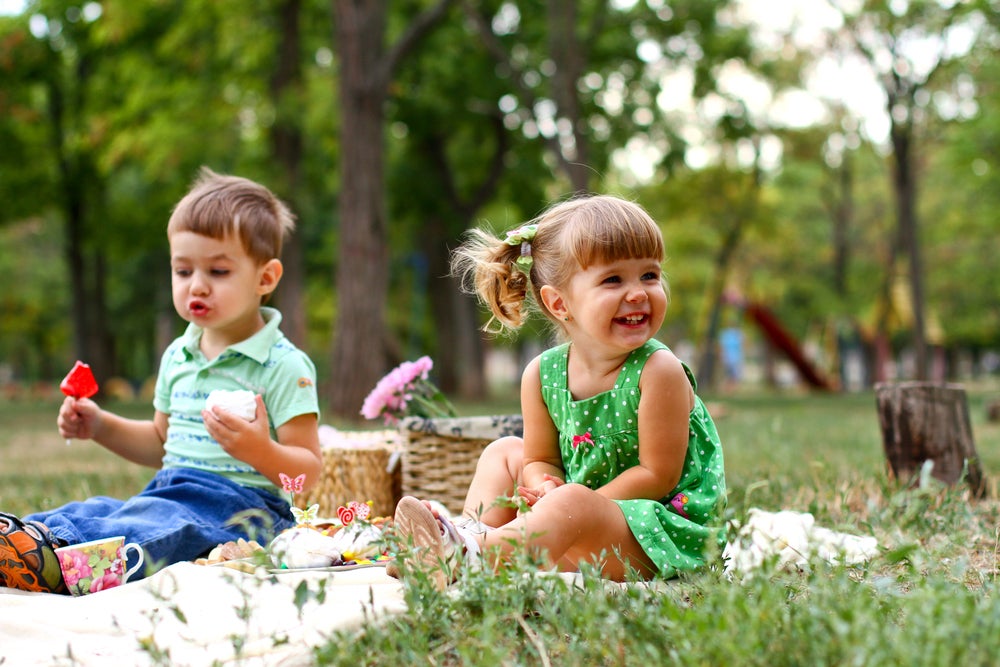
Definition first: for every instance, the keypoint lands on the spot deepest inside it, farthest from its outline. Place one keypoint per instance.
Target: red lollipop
(79, 382)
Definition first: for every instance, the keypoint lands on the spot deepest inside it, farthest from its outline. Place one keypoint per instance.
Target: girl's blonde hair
(569, 236)
(218, 205)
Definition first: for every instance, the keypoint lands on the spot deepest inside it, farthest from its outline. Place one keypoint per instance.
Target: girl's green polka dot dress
(599, 439)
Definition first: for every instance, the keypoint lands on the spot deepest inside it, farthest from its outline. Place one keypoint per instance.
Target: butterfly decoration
(292, 485)
(585, 439)
(353, 510)
(304, 517)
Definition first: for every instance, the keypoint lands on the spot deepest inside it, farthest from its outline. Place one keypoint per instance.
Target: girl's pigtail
(487, 267)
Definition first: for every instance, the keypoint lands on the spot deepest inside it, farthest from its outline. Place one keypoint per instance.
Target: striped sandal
(439, 547)
(28, 560)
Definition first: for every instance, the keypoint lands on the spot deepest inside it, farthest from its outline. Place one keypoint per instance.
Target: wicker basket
(440, 455)
(357, 465)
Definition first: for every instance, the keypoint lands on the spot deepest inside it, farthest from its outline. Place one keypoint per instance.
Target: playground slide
(784, 341)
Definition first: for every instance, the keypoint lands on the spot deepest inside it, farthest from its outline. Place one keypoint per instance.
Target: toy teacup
(97, 565)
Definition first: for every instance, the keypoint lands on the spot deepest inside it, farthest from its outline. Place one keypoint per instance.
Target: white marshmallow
(304, 547)
(242, 403)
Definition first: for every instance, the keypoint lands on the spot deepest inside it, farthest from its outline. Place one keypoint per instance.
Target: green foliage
(110, 116)
(35, 305)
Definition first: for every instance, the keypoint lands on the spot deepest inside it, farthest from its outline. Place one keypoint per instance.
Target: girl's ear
(270, 276)
(554, 302)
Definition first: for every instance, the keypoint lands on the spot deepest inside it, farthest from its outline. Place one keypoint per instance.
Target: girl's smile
(620, 304)
(633, 320)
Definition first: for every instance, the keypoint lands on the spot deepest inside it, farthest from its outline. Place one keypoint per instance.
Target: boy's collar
(256, 347)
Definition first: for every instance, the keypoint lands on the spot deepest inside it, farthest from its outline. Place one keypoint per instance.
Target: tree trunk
(359, 358)
(459, 354)
(904, 187)
(359, 354)
(843, 220)
(567, 53)
(742, 211)
(924, 421)
(286, 147)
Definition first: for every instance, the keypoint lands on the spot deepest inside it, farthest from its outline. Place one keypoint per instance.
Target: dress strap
(629, 374)
(553, 366)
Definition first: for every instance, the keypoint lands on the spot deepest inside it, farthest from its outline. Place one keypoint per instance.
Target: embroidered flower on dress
(678, 502)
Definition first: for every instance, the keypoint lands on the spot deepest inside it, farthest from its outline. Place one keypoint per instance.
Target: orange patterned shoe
(27, 556)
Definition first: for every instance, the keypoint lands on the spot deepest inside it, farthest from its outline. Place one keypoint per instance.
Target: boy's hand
(79, 418)
(243, 440)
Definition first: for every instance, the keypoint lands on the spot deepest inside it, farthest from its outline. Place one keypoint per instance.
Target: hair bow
(522, 236)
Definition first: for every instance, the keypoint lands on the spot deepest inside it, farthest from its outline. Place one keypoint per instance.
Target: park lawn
(929, 598)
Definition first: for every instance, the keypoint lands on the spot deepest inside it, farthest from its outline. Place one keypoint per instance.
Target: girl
(620, 463)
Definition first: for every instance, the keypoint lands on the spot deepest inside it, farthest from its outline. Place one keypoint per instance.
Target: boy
(225, 239)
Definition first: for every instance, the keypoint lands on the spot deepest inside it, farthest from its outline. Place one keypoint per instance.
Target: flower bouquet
(407, 391)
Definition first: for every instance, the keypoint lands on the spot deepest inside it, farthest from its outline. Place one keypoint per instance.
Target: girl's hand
(241, 439)
(79, 418)
(533, 495)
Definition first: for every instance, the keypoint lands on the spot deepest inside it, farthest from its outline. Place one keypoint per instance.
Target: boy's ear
(553, 302)
(270, 276)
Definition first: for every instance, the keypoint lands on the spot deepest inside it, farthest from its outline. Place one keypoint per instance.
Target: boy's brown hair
(218, 205)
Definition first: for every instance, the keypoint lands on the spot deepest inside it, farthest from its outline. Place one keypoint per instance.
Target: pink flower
(74, 566)
(108, 580)
(404, 390)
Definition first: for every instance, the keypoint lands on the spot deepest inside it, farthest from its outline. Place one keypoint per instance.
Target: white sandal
(439, 546)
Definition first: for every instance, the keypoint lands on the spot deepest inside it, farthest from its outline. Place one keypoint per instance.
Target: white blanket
(194, 612)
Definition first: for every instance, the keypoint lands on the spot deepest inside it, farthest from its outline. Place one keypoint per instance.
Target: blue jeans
(182, 514)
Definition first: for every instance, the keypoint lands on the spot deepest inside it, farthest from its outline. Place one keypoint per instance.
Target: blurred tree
(463, 157)
(209, 83)
(587, 79)
(367, 67)
(962, 199)
(54, 67)
(907, 45)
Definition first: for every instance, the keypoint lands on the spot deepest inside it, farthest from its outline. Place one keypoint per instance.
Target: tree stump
(927, 421)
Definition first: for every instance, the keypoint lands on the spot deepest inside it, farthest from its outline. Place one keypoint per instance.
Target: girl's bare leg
(497, 474)
(573, 524)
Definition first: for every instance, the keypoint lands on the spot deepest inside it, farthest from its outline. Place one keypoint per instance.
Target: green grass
(929, 598)
(39, 471)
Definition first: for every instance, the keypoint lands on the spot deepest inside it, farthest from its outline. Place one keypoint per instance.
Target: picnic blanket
(201, 614)
(209, 614)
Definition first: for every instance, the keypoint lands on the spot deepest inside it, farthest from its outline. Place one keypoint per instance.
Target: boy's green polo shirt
(267, 363)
